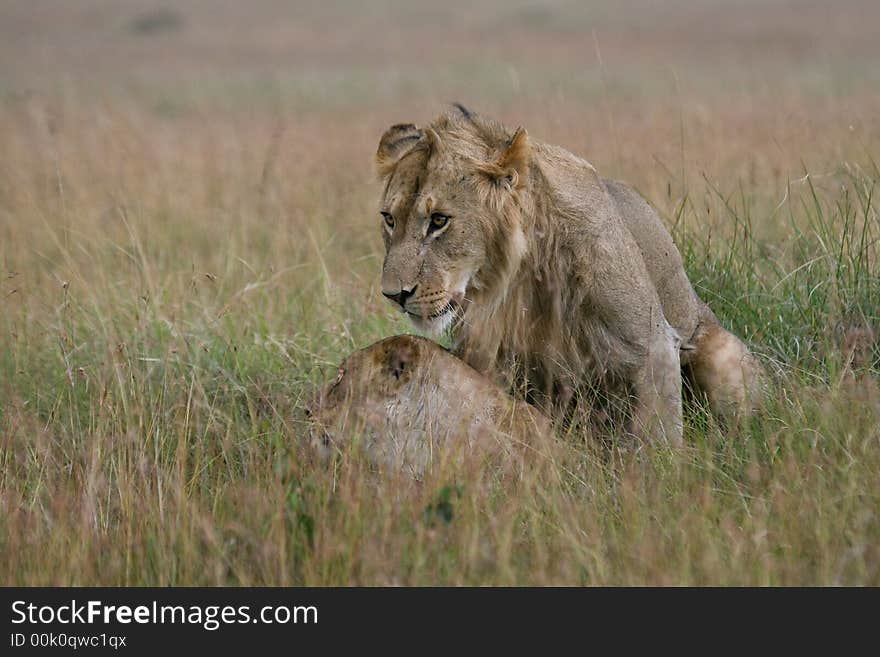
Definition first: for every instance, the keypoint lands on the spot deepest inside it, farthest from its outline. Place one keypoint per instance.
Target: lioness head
(405, 400)
(363, 396)
(449, 213)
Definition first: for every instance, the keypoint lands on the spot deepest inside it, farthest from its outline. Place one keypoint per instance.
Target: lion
(547, 275)
(409, 400)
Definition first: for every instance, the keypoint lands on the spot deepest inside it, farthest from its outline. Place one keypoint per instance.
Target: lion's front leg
(657, 387)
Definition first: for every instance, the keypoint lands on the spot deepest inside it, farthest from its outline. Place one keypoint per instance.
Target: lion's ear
(396, 140)
(512, 165)
(402, 355)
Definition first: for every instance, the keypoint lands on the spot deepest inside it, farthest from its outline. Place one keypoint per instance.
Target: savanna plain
(190, 243)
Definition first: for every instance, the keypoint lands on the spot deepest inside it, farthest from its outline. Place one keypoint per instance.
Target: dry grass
(188, 242)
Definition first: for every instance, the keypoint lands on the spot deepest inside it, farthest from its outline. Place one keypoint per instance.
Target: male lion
(409, 400)
(544, 270)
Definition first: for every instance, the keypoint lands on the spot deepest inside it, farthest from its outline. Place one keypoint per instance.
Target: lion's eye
(389, 220)
(438, 221)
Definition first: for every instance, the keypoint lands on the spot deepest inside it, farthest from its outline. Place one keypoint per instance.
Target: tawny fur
(547, 270)
(410, 402)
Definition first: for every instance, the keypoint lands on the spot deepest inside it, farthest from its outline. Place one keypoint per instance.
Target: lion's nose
(401, 295)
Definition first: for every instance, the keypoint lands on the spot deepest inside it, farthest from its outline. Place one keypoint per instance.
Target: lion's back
(662, 258)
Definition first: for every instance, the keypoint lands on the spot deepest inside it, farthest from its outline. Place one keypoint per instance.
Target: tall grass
(168, 302)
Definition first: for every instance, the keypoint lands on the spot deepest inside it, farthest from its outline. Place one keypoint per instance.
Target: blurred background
(385, 51)
(573, 69)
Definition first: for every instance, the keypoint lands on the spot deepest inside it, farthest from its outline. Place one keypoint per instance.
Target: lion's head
(449, 213)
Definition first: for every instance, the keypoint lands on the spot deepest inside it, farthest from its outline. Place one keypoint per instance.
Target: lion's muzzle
(399, 295)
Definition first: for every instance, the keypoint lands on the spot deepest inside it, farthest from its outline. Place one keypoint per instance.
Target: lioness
(407, 399)
(542, 268)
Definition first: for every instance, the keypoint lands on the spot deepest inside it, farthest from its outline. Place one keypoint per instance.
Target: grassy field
(189, 244)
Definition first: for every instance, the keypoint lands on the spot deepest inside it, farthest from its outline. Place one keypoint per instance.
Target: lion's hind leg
(722, 367)
(658, 408)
